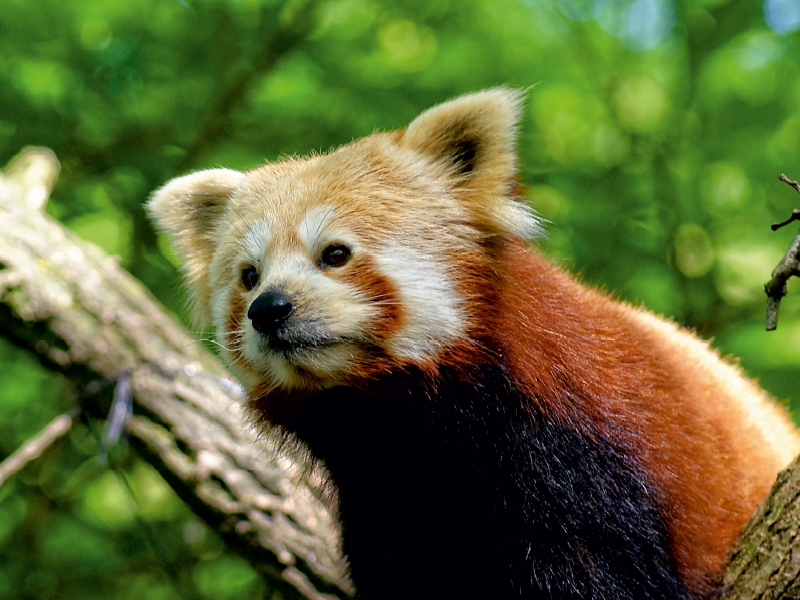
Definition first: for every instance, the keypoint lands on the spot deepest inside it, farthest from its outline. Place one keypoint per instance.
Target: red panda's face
(336, 268)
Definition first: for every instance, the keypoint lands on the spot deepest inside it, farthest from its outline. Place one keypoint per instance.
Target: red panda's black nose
(269, 311)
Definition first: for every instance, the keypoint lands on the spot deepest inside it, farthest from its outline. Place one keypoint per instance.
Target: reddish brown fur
(380, 290)
(575, 351)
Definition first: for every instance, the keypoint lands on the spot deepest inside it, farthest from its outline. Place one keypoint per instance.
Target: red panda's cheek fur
(232, 334)
(372, 358)
(237, 306)
(477, 276)
(381, 293)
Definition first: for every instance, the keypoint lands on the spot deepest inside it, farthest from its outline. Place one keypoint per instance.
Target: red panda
(492, 428)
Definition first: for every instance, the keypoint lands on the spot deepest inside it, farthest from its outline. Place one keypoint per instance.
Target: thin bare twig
(791, 182)
(35, 446)
(789, 266)
(795, 217)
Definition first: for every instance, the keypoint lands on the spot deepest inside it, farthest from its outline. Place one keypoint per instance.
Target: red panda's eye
(335, 255)
(249, 278)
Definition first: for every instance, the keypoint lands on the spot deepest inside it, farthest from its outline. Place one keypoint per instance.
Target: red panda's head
(329, 269)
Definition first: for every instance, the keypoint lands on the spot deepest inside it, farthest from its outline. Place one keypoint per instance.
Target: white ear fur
(472, 140)
(188, 210)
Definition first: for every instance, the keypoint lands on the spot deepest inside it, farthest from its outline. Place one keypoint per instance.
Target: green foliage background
(652, 140)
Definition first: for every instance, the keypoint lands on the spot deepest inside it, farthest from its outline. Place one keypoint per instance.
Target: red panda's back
(710, 441)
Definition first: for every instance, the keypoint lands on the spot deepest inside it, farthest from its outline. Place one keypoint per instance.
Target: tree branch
(788, 267)
(764, 563)
(36, 446)
(792, 183)
(795, 217)
(83, 316)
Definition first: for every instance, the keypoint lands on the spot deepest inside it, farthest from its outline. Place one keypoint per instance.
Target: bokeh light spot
(694, 254)
(782, 16)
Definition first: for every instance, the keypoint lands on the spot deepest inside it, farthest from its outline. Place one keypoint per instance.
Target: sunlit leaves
(42, 82)
(406, 45)
(346, 19)
(741, 268)
(694, 253)
(116, 501)
(639, 24)
(747, 69)
(228, 578)
(565, 119)
(641, 103)
(108, 503)
(724, 186)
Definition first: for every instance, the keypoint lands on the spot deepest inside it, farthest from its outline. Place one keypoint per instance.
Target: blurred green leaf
(228, 578)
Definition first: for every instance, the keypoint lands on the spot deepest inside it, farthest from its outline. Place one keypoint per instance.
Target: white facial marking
(313, 227)
(255, 240)
(219, 309)
(317, 230)
(520, 219)
(433, 310)
(284, 268)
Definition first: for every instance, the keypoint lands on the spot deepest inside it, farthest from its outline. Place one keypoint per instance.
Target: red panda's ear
(472, 140)
(188, 210)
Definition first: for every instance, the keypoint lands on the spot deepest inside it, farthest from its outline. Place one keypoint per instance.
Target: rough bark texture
(766, 561)
(85, 317)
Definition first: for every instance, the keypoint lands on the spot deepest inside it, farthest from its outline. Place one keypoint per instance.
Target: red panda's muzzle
(270, 311)
(281, 327)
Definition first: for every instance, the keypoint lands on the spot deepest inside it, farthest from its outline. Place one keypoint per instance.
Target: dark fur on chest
(463, 490)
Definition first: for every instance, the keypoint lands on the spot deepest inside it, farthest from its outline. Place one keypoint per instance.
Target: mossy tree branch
(83, 316)
(766, 561)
